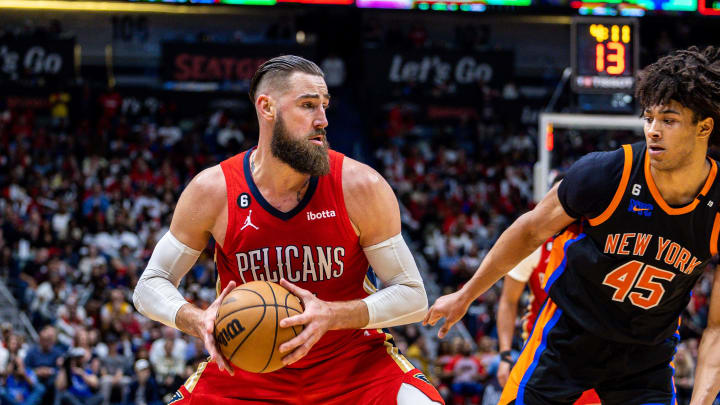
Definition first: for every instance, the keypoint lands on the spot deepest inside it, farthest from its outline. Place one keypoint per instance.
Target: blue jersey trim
(520, 400)
(372, 277)
(561, 268)
(542, 308)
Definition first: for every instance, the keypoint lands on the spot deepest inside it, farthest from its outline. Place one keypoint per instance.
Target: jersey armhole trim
(226, 167)
(714, 235)
(340, 196)
(627, 166)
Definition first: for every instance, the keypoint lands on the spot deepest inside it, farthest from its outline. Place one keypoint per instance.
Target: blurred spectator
(59, 108)
(77, 380)
(228, 134)
(88, 262)
(20, 386)
(96, 202)
(467, 371)
(169, 134)
(111, 101)
(116, 309)
(70, 318)
(15, 346)
(50, 295)
(4, 357)
(446, 352)
(167, 357)
(116, 369)
(144, 389)
(684, 373)
(42, 360)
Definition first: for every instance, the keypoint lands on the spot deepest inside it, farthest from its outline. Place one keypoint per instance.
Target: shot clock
(604, 55)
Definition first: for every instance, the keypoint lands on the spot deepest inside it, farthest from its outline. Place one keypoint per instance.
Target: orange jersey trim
(714, 235)
(557, 255)
(620, 190)
(661, 202)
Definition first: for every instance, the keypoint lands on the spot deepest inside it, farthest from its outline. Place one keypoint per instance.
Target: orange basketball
(247, 327)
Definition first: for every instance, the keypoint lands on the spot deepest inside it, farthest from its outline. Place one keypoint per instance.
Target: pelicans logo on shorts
(178, 396)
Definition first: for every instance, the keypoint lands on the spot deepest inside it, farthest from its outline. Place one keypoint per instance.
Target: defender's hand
(503, 372)
(317, 318)
(452, 307)
(207, 330)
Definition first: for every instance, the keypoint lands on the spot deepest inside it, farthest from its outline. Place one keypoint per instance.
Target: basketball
(247, 327)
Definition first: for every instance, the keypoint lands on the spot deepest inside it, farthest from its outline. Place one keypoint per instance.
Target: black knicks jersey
(626, 269)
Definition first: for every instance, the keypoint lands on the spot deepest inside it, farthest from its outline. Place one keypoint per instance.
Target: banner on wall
(209, 67)
(24, 60)
(435, 74)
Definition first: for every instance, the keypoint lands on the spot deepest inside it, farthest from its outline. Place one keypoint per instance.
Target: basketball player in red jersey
(292, 211)
(530, 271)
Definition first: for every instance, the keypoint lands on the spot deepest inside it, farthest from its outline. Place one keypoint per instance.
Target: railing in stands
(10, 313)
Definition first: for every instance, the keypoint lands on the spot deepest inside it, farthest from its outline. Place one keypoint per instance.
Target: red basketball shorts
(360, 374)
(589, 397)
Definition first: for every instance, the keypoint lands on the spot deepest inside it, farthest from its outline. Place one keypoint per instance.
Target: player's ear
(705, 127)
(265, 106)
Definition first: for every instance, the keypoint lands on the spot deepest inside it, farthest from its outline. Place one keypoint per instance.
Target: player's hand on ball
(316, 317)
(207, 330)
(452, 307)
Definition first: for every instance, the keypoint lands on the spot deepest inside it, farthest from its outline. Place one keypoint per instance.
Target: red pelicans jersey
(532, 272)
(536, 284)
(313, 246)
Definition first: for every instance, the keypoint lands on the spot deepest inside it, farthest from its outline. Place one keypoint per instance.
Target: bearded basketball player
(293, 211)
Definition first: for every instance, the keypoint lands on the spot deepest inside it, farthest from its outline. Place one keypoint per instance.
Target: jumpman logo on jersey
(248, 222)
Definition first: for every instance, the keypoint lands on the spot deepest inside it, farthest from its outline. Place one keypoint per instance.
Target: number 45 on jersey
(636, 275)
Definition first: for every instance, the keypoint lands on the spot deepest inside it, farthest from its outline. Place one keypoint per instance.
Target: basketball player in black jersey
(636, 228)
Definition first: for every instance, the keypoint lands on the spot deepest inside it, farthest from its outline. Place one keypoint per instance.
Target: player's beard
(300, 154)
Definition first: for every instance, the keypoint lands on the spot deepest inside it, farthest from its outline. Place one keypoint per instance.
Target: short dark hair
(281, 67)
(690, 76)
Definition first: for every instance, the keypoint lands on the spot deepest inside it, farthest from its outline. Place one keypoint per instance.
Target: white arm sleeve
(524, 269)
(403, 299)
(156, 295)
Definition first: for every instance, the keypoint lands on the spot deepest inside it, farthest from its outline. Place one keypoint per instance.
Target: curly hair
(691, 77)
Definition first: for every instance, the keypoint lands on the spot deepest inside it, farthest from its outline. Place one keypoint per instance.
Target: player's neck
(281, 185)
(680, 186)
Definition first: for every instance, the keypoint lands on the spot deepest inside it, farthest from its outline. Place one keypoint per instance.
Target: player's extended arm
(507, 311)
(513, 286)
(518, 241)
(506, 315)
(707, 374)
(373, 210)
(156, 295)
